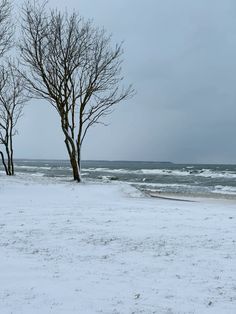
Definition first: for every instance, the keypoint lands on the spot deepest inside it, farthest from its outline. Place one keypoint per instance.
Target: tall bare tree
(12, 100)
(71, 64)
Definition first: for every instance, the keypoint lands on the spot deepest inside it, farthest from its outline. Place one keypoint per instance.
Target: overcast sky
(180, 55)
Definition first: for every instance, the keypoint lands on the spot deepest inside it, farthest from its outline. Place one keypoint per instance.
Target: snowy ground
(84, 249)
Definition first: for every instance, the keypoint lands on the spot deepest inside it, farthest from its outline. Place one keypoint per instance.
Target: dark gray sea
(164, 178)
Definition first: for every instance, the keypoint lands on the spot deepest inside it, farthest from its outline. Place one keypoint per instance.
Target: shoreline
(40, 177)
(191, 198)
(169, 197)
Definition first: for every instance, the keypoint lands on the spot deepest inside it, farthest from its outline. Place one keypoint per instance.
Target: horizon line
(123, 160)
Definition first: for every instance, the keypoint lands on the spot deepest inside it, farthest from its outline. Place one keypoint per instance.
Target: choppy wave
(165, 178)
(33, 167)
(189, 171)
(230, 190)
(217, 174)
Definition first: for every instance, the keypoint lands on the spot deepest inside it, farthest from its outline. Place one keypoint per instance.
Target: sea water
(161, 177)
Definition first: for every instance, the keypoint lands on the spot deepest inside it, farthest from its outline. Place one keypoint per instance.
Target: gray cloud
(180, 56)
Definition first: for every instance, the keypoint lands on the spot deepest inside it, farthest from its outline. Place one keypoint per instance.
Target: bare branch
(73, 65)
(12, 99)
(6, 27)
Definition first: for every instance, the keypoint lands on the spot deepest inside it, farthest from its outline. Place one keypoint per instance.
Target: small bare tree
(12, 99)
(6, 33)
(71, 64)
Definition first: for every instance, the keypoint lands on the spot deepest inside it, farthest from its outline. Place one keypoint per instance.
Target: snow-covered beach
(106, 248)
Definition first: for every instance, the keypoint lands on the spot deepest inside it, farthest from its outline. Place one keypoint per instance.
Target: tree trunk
(75, 168)
(75, 163)
(3, 162)
(79, 156)
(11, 155)
(9, 161)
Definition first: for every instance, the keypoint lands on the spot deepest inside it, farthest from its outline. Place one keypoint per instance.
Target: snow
(106, 248)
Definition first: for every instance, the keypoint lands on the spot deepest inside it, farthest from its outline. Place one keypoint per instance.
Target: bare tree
(71, 64)
(12, 100)
(6, 27)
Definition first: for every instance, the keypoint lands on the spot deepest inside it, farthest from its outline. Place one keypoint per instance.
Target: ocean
(151, 177)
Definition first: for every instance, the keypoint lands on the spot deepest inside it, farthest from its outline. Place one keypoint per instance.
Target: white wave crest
(207, 173)
(220, 189)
